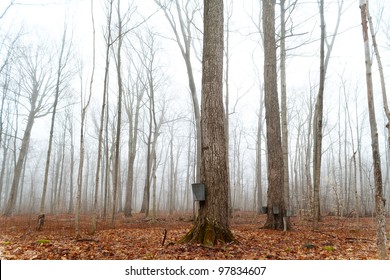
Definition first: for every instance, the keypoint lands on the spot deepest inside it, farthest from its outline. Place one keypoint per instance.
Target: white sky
(45, 19)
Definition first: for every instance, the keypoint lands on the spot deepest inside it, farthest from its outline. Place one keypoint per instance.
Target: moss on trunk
(208, 233)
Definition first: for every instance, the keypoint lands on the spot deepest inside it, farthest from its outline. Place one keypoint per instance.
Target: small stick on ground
(165, 236)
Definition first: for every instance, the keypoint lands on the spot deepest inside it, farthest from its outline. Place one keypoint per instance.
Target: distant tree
(182, 25)
(108, 41)
(212, 223)
(85, 101)
(63, 59)
(148, 58)
(37, 84)
(318, 112)
(118, 63)
(317, 124)
(133, 103)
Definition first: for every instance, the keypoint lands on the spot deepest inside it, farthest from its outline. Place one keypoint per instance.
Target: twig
(165, 236)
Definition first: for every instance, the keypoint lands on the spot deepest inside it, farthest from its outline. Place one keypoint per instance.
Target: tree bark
(258, 172)
(275, 196)
(116, 179)
(317, 126)
(132, 145)
(212, 223)
(379, 201)
(283, 89)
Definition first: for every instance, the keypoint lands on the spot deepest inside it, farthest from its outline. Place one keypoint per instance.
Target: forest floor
(139, 238)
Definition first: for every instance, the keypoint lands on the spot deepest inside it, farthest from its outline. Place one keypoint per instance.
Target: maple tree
(212, 223)
(275, 197)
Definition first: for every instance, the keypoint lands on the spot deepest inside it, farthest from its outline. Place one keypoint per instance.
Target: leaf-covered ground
(139, 238)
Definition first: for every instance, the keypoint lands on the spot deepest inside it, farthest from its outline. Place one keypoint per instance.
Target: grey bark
(212, 223)
(283, 94)
(84, 108)
(379, 200)
(275, 196)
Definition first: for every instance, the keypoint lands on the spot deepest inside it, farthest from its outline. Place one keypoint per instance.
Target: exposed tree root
(208, 234)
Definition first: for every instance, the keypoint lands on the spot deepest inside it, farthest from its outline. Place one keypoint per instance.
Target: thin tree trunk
(84, 107)
(102, 115)
(309, 183)
(132, 146)
(283, 94)
(185, 28)
(353, 159)
(119, 116)
(317, 127)
(258, 167)
(71, 206)
(146, 196)
(61, 65)
(379, 201)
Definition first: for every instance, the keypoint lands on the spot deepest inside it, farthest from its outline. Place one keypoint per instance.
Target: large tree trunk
(379, 201)
(212, 223)
(276, 204)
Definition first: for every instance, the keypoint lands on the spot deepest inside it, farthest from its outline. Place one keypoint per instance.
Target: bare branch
(6, 9)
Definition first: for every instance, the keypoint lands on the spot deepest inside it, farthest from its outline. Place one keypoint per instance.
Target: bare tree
(63, 59)
(72, 163)
(275, 202)
(318, 112)
(108, 41)
(119, 108)
(379, 201)
(37, 85)
(85, 101)
(212, 223)
(148, 58)
(184, 38)
(283, 95)
(317, 127)
(135, 92)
